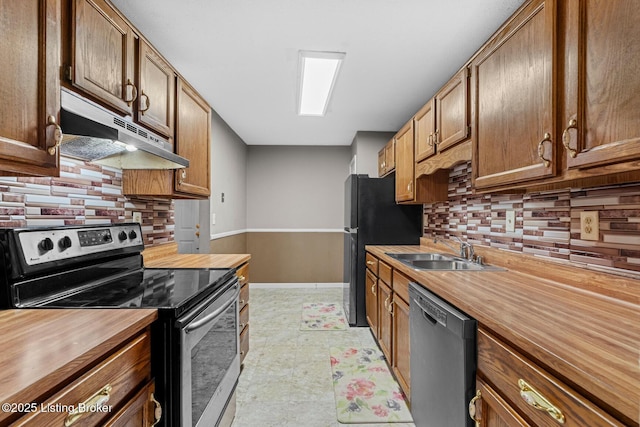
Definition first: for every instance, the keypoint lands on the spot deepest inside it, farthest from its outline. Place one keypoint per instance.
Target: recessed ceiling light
(317, 76)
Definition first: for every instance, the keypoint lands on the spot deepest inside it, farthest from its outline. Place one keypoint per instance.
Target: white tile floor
(286, 380)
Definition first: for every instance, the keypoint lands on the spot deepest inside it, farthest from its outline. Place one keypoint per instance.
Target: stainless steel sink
(436, 261)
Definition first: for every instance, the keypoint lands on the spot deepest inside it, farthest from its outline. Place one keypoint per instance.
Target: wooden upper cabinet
(193, 140)
(103, 54)
(424, 123)
(157, 91)
(602, 83)
(405, 167)
(381, 165)
(387, 158)
(30, 87)
(513, 100)
(452, 111)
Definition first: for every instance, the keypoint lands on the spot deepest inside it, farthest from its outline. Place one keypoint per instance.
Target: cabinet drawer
(384, 272)
(114, 379)
(244, 317)
(244, 343)
(244, 296)
(372, 263)
(401, 285)
(243, 274)
(513, 376)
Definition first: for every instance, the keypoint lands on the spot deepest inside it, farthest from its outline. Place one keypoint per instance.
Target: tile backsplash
(547, 223)
(83, 194)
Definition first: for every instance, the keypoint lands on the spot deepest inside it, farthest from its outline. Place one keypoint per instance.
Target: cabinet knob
(472, 408)
(573, 124)
(57, 135)
(147, 102)
(547, 138)
(134, 92)
(536, 400)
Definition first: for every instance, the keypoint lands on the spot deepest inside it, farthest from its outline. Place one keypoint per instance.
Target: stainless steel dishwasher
(443, 360)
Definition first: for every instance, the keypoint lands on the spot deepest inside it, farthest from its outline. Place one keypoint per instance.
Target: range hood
(94, 134)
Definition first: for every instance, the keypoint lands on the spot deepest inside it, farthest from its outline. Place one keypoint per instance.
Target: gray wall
(296, 187)
(228, 176)
(365, 147)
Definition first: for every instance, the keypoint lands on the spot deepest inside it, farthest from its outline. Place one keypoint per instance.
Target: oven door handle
(210, 317)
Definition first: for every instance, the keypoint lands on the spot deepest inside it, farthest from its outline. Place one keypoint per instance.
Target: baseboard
(295, 285)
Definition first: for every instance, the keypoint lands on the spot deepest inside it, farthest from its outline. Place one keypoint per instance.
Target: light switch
(511, 221)
(589, 225)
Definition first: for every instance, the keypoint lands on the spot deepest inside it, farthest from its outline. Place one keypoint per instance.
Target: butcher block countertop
(43, 350)
(167, 256)
(581, 325)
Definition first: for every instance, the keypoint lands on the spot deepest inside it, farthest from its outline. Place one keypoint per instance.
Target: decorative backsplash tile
(83, 194)
(547, 223)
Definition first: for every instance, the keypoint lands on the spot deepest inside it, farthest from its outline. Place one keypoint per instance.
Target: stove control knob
(122, 235)
(45, 244)
(64, 243)
(133, 234)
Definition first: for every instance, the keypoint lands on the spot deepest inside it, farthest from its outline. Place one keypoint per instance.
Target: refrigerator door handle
(351, 230)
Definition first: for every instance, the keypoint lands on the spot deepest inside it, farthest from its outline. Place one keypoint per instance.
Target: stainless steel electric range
(195, 342)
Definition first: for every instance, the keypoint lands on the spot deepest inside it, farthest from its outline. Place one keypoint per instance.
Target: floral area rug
(365, 390)
(322, 316)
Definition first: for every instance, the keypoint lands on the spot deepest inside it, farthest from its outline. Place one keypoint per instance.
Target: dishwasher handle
(431, 313)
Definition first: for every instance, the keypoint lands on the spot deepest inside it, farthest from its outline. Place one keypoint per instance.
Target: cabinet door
(401, 345)
(405, 167)
(193, 134)
(103, 54)
(390, 155)
(452, 107)
(602, 83)
(425, 131)
(488, 409)
(371, 302)
(141, 411)
(156, 100)
(30, 87)
(384, 319)
(513, 100)
(381, 165)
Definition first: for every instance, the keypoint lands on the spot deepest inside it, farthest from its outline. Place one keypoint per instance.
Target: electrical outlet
(137, 217)
(589, 225)
(511, 221)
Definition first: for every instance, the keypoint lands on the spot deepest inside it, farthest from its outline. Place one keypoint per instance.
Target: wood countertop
(583, 335)
(198, 261)
(43, 349)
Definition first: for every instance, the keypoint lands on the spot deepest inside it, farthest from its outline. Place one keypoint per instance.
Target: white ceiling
(242, 56)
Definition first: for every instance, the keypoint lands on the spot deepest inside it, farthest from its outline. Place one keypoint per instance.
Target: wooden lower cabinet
(510, 385)
(385, 326)
(401, 360)
(243, 305)
(371, 302)
(121, 384)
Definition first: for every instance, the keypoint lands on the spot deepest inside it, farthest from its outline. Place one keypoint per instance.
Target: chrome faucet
(465, 250)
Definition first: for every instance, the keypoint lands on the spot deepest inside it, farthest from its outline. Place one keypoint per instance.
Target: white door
(190, 234)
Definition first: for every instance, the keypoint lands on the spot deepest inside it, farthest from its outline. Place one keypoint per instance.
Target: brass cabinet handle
(430, 139)
(97, 400)
(157, 412)
(435, 137)
(241, 302)
(183, 176)
(386, 302)
(371, 262)
(472, 408)
(373, 289)
(241, 278)
(241, 326)
(409, 185)
(547, 138)
(533, 398)
(147, 102)
(57, 135)
(134, 92)
(390, 308)
(573, 124)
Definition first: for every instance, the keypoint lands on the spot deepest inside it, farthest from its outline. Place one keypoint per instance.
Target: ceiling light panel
(317, 73)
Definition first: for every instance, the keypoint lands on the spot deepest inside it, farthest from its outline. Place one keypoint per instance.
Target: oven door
(210, 357)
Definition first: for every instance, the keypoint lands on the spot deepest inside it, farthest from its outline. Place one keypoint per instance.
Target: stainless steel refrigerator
(372, 217)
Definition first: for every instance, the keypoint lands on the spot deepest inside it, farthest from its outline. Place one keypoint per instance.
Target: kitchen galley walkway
(286, 380)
